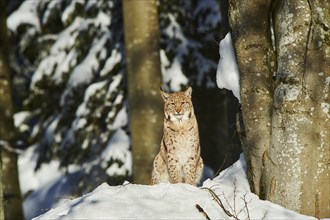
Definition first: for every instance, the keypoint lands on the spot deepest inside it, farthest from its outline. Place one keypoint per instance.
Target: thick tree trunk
(253, 47)
(144, 80)
(288, 150)
(298, 174)
(12, 202)
(316, 166)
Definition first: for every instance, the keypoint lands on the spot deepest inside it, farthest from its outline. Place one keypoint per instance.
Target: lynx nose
(178, 110)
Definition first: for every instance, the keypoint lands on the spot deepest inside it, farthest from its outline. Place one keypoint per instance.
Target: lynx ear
(188, 92)
(164, 95)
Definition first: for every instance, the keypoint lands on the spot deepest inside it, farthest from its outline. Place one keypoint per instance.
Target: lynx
(178, 160)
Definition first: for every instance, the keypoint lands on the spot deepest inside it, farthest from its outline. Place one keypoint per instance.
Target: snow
(19, 119)
(325, 108)
(118, 149)
(227, 73)
(51, 131)
(120, 121)
(59, 62)
(327, 80)
(26, 14)
(115, 83)
(67, 13)
(183, 55)
(172, 74)
(47, 14)
(132, 201)
(83, 72)
(91, 90)
(174, 201)
(31, 180)
(103, 19)
(111, 62)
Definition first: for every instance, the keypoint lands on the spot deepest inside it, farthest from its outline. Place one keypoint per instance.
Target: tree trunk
(254, 53)
(298, 174)
(144, 79)
(10, 184)
(292, 166)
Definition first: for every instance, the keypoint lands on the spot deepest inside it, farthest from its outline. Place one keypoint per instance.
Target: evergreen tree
(73, 51)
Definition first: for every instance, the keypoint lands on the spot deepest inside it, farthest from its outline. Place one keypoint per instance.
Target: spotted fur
(178, 160)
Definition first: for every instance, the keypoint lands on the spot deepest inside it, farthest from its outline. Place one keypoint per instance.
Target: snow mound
(132, 201)
(174, 201)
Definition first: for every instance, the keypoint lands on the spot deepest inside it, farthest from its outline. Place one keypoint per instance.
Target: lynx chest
(181, 144)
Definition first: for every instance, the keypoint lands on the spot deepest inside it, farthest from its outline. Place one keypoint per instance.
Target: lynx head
(178, 106)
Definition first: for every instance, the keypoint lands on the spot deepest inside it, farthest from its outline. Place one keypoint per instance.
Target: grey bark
(288, 160)
(144, 79)
(11, 197)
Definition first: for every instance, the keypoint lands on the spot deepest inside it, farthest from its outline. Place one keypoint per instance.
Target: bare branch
(219, 202)
(232, 211)
(200, 209)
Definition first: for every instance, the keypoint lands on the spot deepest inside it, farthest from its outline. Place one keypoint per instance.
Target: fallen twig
(200, 209)
(218, 200)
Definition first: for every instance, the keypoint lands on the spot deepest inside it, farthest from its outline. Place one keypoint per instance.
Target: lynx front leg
(174, 170)
(159, 172)
(190, 171)
(199, 170)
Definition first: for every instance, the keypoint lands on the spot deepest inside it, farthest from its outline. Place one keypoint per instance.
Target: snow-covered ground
(229, 191)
